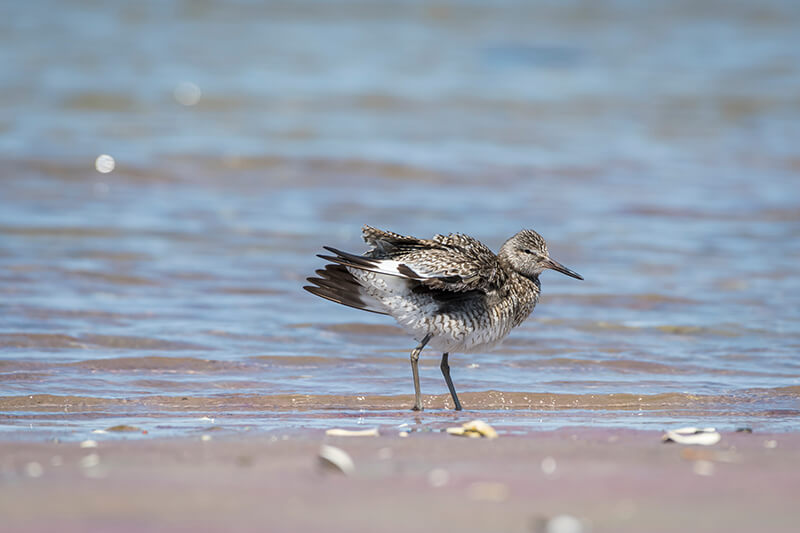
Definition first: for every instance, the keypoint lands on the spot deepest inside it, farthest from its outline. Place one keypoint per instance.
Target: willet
(450, 291)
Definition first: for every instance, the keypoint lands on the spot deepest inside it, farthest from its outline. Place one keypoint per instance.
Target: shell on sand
(691, 435)
(338, 432)
(474, 429)
(336, 459)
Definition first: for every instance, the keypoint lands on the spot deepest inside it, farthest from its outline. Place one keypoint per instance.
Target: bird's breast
(463, 323)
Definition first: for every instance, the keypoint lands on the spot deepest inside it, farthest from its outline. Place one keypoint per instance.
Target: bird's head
(527, 253)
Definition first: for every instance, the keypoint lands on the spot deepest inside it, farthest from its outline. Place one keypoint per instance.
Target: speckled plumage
(451, 291)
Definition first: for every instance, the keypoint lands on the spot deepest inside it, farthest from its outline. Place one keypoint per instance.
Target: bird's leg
(415, 371)
(446, 373)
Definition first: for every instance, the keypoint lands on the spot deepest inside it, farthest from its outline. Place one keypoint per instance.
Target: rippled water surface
(655, 147)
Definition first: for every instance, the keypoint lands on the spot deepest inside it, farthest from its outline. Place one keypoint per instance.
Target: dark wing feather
(337, 284)
(455, 262)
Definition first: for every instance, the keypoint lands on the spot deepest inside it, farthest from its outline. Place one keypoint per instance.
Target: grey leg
(446, 373)
(415, 371)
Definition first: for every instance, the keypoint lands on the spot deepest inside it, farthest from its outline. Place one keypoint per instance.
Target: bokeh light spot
(187, 93)
(104, 163)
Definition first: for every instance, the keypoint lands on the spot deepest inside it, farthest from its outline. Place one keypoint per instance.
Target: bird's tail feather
(337, 284)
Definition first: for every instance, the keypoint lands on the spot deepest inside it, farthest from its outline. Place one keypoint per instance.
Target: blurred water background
(654, 144)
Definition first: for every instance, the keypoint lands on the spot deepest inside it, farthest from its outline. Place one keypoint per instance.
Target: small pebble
(89, 444)
(564, 523)
(90, 461)
(123, 428)
(438, 477)
(549, 466)
(34, 469)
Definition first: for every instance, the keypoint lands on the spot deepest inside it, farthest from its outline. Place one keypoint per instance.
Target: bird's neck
(505, 262)
(524, 291)
(526, 284)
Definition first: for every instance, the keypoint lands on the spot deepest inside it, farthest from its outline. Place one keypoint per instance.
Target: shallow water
(655, 149)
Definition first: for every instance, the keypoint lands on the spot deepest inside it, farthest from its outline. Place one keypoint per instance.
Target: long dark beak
(558, 267)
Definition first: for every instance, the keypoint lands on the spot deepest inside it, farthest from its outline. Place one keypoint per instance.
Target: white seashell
(338, 432)
(475, 429)
(691, 435)
(333, 458)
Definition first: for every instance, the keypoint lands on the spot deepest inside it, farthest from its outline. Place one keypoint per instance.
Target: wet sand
(609, 480)
(166, 293)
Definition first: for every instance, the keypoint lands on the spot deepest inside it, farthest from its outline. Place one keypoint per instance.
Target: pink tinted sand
(608, 480)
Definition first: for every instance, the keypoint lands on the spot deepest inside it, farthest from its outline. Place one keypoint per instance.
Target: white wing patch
(395, 268)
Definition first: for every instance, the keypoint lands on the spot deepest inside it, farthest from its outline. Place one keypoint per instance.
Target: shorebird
(451, 291)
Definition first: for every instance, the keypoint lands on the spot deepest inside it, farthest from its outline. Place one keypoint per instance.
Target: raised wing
(455, 262)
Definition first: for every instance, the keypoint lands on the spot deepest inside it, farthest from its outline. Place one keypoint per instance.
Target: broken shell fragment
(338, 432)
(335, 459)
(474, 429)
(462, 432)
(690, 435)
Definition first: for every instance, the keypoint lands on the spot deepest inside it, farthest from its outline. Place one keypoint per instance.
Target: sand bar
(602, 479)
